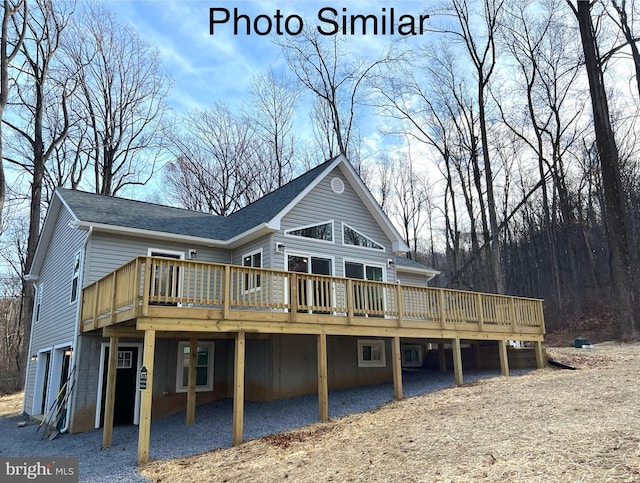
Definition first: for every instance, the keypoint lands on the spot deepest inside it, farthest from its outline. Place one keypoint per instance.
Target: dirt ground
(10, 405)
(547, 425)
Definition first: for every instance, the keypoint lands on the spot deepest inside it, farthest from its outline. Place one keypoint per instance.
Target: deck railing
(145, 282)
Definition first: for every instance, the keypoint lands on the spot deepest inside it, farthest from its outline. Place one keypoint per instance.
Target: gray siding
(107, 251)
(409, 278)
(321, 205)
(56, 324)
(263, 243)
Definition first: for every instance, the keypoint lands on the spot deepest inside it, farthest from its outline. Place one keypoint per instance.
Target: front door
(126, 375)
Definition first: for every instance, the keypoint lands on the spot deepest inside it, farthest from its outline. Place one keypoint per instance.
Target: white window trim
(163, 250)
(376, 250)
(251, 254)
(406, 363)
(366, 264)
(74, 294)
(288, 253)
(333, 232)
(37, 306)
(179, 367)
(372, 342)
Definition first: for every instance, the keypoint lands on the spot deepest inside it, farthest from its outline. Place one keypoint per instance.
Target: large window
(353, 237)
(368, 300)
(75, 279)
(319, 292)
(204, 367)
(371, 353)
(252, 280)
(322, 231)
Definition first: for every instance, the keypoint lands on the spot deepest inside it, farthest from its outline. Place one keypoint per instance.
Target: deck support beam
(146, 399)
(540, 360)
(504, 357)
(396, 357)
(442, 358)
(457, 361)
(323, 384)
(110, 397)
(191, 388)
(238, 389)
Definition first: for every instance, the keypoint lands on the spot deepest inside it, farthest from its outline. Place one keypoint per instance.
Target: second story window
(75, 280)
(322, 231)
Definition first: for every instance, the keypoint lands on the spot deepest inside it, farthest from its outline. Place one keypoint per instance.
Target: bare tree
(39, 90)
(121, 93)
(10, 44)
(273, 102)
(214, 169)
(614, 195)
(321, 65)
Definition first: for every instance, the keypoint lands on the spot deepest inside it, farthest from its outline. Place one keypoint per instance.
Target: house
(301, 291)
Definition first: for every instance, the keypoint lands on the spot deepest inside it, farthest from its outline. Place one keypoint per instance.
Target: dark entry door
(124, 408)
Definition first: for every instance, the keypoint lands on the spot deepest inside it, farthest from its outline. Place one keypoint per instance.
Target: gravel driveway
(170, 438)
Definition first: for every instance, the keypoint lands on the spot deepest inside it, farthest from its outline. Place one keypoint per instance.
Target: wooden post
(397, 368)
(110, 398)
(238, 389)
(136, 285)
(477, 356)
(96, 304)
(512, 309)
(540, 360)
(226, 292)
(350, 301)
(442, 357)
(399, 304)
(323, 385)
(504, 358)
(457, 361)
(293, 296)
(191, 389)
(144, 430)
(114, 288)
(480, 312)
(146, 289)
(442, 314)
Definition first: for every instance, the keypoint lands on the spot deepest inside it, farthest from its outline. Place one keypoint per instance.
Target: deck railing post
(441, 304)
(226, 292)
(136, 286)
(350, 301)
(96, 305)
(114, 288)
(399, 308)
(293, 295)
(480, 311)
(512, 310)
(146, 288)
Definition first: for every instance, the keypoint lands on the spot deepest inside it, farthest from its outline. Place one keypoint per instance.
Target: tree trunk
(611, 180)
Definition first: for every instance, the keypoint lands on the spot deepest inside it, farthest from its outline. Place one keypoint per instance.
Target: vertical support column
(293, 296)
(442, 357)
(146, 290)
(397, 368)
(191, 388)
(238, 389)
(399, 306)
(110, 399)
(540, 360)
(457, 361)
(477, 356)
(504, 358)
(323, 385)
(226, 290)
(350, 301)
(144, 430)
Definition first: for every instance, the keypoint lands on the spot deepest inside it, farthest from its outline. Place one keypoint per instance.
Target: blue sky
(205, 67)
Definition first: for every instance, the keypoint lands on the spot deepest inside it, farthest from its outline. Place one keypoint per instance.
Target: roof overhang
(429, 273)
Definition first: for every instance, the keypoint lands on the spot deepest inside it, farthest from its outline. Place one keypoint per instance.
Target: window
(252, 280)
(352, 237)
(204, 367)
(323, 232)
(369, 300)
(36, 311)
(412, 355)
(371, 353)
(125, 359)
(312, 293)
(75, 280)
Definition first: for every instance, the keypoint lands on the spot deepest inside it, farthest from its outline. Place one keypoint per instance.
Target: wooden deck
(188, 296)
(153, 297)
